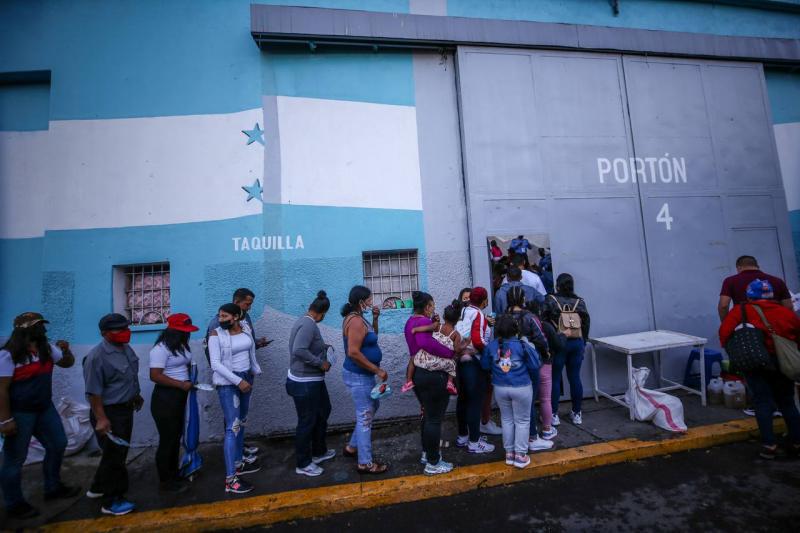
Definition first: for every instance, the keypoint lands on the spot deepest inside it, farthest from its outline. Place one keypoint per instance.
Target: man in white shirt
(528, 278)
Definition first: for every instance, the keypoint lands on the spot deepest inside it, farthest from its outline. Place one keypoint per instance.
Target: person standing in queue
(111, 373)
(429, 386)
(472, 380)
(26, 410)
(232, 351)
(734, 288)
(169, 370)
(305, 383)
(360, 368)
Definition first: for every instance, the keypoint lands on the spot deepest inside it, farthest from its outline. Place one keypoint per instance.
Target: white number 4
(663, 216)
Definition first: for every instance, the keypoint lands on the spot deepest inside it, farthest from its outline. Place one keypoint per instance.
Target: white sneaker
(549, 435)
(330, 454)
(510, 458)
(312, 470)
(521, 460)
(480, 447)
(556, 420)
(250, 450)
(539, 443)
(423, 459)
(462, 441)
(442, 467)
(94, 495)
(577, 418)
(490, 428)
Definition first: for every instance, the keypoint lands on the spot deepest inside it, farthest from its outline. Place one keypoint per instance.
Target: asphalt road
(720, 489)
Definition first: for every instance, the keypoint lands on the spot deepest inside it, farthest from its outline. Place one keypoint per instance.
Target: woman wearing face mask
(232, 351)
(305, 383)
(169, 370)
(359, 370)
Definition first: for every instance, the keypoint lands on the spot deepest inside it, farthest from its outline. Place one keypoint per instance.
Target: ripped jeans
(235, 405)
(360, 386)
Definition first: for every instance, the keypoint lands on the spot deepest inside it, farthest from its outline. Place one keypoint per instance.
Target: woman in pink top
(430, 387)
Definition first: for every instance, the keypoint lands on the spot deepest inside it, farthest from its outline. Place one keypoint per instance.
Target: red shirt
(735, 286)
(783, 321)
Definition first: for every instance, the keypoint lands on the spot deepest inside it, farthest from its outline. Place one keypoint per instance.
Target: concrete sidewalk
(606, 436)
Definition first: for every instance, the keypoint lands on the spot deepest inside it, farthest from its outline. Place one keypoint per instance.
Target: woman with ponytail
(305, 383)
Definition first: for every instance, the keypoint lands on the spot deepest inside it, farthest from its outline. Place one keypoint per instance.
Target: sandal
(407, 387)
(451, 388)
(348, 453)
(373, 468)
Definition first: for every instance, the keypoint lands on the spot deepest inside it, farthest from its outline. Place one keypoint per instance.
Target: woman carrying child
(514, 366)
(430, 385)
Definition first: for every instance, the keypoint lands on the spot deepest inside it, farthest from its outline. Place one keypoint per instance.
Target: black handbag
(746, 347)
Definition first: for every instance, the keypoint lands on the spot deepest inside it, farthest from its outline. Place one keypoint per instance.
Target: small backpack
(569, 323)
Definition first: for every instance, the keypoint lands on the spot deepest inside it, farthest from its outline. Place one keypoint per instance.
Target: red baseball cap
(478, 295)
(181, 322)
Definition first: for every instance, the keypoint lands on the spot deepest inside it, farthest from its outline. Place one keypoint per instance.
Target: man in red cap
(26, 409)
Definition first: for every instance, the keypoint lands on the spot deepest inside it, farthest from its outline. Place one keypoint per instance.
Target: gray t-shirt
(306, 351)
(112, 372)
(176, 366)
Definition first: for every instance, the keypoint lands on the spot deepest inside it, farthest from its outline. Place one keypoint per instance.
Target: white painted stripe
(787, 138)
(128, 172)
(348, 154)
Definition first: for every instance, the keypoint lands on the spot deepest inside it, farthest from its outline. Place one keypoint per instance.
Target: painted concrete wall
(143, 158)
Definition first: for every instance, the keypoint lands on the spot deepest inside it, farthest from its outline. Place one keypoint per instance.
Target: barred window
(142, 292)
(391, 276)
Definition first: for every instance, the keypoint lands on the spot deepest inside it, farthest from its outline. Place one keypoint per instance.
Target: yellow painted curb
(322, 501)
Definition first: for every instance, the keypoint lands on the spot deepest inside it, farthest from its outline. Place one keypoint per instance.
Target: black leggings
(431, 390)
(168, 406)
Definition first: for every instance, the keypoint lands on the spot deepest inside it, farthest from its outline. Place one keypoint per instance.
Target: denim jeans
(771, 388)
(515, 410)
(235, 405)
(360, 385)
(46, 427)
(313, 407)
(431, 390)
(471, 389)
(572, 357)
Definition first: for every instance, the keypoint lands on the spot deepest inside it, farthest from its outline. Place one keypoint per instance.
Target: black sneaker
(248, 468)
(237, 486)
(22, 511)
(63, 492)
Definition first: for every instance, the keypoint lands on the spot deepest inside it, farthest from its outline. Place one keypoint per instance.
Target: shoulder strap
(557, 303)
(763, 318)
(744, 315)
(575, 307)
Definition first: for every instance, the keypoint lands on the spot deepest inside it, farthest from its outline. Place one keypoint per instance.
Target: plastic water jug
(715, 394)
(734, 394)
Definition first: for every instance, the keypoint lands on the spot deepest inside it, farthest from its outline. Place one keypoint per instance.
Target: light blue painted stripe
(25, 107)
(693, 17)
(20, 279)
(784, 95)
(384, 77)
(147, 58)
(204, 266)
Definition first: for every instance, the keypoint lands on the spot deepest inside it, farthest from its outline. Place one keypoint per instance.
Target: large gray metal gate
(650, 176)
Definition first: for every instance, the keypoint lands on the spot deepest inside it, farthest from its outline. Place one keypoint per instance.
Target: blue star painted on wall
(254, 191)
(254, 135)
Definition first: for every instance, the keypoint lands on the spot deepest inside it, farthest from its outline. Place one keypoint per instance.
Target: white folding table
(649, 342)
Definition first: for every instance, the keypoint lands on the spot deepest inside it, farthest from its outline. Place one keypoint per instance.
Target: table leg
(703, 375)
(632, 406)
(594, 373)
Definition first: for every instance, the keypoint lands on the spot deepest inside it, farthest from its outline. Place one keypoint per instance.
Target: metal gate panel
(761, 243)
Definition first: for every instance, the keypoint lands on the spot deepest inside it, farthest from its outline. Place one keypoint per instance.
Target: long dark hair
(565, 285)
(17, 344)
(452, 313)
(516, 297)
(420, 300)
(505, 329)
(177, 342)
(357, 294)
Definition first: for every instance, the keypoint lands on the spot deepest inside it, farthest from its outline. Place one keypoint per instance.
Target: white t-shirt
(531, 280)
(240, 352)
(7, 363)
(175, 365)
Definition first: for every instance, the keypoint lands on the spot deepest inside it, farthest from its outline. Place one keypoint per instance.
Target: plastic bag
(664, 410)
(75, 419)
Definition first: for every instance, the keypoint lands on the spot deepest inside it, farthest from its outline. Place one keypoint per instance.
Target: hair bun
(322, 294)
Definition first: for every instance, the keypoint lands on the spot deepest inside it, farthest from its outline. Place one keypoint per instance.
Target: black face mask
(227, 324)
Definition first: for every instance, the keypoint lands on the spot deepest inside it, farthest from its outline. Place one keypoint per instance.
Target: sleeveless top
(444, 340)
(369, 347)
